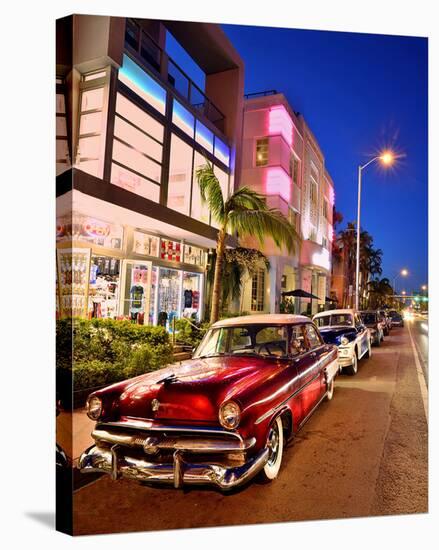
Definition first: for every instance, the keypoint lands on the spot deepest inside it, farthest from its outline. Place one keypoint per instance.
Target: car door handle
(313, 354)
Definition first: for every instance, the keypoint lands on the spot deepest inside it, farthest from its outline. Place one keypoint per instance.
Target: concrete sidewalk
(73, 433)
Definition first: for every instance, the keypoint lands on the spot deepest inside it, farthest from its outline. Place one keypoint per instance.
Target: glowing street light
(403, 292)
(403, 273)
(424, 287)
(386, 158)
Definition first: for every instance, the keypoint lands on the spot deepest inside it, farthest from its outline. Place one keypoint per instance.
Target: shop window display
(170, 250)
(90, 230)
(169, 293)
(137, 291)
(145, 244)
(73, 270)
(194, 255)
(191, 295)
(103, 294)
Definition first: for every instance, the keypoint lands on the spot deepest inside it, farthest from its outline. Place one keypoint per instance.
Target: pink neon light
(331, 195)
(279, 122)
(278, 183)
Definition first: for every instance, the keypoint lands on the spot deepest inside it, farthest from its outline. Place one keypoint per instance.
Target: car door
(362, 336)
(308, 370)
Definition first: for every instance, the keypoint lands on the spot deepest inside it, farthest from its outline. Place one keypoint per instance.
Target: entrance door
(136, 290)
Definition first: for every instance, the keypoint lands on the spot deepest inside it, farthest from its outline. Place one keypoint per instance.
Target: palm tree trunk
(216, 291)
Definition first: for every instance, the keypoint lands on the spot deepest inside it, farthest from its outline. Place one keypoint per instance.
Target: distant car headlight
(344, 341)
(94, 408)
(229, 415)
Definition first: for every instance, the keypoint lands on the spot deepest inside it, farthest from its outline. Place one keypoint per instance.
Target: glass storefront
(104, 286)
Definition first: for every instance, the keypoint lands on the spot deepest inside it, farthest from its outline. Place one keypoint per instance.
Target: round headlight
(344, 341)
(229, 415)
(94, 408)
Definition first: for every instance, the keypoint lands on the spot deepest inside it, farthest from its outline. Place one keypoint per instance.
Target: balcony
(139, 42)
(315, 256)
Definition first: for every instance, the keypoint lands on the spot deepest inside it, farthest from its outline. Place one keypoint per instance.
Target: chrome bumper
(118, 464)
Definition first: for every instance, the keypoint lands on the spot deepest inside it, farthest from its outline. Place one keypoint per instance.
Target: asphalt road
(362, 454)
(419, 329)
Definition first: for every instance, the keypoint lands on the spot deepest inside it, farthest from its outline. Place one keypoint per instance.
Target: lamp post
(387, 159)
(403, 273)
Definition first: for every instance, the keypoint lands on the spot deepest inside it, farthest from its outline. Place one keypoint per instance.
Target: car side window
(312, 336)
(298, 344)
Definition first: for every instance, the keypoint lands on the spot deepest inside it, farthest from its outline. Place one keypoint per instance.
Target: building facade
(283, 161)
(132, 128)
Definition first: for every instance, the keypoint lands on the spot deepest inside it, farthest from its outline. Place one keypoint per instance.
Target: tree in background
(244, 212)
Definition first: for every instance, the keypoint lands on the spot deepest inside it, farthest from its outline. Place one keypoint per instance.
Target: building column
(275, 281)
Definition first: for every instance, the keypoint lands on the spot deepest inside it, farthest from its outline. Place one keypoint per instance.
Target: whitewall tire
(353, 369)
(330, 391)
(275, 444)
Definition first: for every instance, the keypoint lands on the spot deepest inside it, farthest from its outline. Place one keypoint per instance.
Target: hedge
(98, 352)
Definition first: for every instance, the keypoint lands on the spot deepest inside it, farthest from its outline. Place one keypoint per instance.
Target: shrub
(190, 332)
(104, 351)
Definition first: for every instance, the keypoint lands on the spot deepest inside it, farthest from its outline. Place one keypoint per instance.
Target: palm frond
(245, 198)
(210, 191)
(262, 223)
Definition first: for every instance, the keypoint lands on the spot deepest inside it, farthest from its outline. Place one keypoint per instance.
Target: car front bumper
(184, 468)
(345, 356)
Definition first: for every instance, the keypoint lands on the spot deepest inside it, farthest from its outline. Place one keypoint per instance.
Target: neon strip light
(182, 118)
(140, 82)
(279, 123)
(222, 152)
(277, 183)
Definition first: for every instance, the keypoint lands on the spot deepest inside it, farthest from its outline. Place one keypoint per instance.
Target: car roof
(263, 319)
(334, 311)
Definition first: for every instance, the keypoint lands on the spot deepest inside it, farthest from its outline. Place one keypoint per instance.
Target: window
(312, 337)
(133, 76)
(325, 209)
(89, 153)
(294, 169)
(222, 151)
(258, 290)
(324, 242)
(182, 118)
(262, 152)
(62, 147)
(137, 150)
(199, 211)
(204, 137)
(180, 175)
(298, 343)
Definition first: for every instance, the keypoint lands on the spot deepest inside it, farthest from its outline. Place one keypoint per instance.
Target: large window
(90, 145)
(262, 152)
(199, 210)
(180, 176)
(62, 146)
(137, 150)
(258, 290)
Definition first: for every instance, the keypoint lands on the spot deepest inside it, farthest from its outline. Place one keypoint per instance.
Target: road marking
(420, 372)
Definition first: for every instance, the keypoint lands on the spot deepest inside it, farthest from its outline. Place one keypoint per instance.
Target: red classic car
(220, 418)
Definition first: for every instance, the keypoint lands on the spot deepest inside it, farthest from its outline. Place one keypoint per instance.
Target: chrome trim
(177, 473)
(151, 426)
(275, 409)
(152, 444)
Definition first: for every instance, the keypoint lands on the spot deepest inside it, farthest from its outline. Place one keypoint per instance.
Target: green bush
(190, 333)
(105, 351)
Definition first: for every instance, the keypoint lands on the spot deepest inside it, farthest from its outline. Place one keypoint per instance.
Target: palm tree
(244, 212)
(380, 290)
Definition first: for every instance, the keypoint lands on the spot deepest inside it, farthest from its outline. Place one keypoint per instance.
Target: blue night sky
(359, 93)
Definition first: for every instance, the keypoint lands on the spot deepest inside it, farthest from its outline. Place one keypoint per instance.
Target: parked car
(387, 321)
(344, 328)
(221, 417)
(376, 325)
(397, 318)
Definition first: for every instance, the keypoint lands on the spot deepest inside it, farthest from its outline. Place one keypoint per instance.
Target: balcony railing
(260, 94)
(155, 57)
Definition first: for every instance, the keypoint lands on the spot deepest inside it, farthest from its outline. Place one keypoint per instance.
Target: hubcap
(273, 444)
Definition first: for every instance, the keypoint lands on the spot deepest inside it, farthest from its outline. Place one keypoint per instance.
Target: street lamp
(386, 158)
(424, 287)
(403, 273)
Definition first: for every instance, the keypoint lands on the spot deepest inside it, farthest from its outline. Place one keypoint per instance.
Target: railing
(154, 56)
(260, 94)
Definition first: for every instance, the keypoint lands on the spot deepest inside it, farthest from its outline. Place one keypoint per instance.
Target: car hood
(193, 390)
(333, 335)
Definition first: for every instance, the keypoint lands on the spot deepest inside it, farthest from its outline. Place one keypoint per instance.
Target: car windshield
(395, 315)
(260, 340)
(336, 319)
(368, 318)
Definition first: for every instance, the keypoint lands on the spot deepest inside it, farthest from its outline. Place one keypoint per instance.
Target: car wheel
(330, 391)
(353, 369)
(378, 341)
(275, 443)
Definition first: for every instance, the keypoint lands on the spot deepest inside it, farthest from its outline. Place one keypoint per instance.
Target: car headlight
(94, 407)
(229, 415)
(344, 341)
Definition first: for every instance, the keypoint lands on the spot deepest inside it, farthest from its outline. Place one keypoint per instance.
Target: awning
(299, 293)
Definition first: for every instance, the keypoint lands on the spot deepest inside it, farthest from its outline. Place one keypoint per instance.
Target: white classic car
(345, 329)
